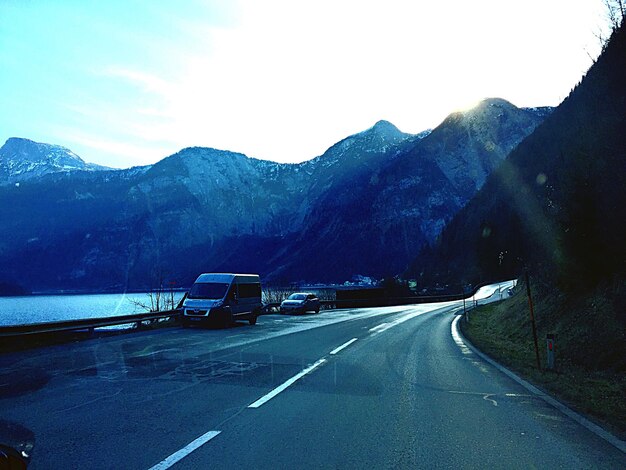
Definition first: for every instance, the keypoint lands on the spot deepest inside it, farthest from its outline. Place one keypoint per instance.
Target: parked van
(223, 298)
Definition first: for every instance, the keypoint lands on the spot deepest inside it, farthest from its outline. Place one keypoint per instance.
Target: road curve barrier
(84, 324)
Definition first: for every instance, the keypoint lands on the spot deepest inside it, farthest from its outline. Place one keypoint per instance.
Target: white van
(223, 298)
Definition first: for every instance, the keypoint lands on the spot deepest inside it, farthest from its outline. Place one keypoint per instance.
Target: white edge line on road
(185, 451)
(457, 337)
(282, 387)
(594, 428)
(343, 346)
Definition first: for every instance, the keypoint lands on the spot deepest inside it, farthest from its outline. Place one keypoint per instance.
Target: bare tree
(615, 12)
(160, 297)
(275, 294)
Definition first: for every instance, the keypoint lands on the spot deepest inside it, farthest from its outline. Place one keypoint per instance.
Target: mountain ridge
(377, 192)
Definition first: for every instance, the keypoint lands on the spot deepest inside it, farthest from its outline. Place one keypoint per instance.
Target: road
(381, 388)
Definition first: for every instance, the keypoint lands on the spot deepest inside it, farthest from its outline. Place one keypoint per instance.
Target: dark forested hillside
(557, 203)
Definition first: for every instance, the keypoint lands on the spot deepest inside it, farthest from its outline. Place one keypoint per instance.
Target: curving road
(381, 388)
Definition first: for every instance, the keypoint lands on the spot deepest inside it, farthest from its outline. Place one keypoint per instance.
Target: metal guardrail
(85, 324)
(272, 307)
(381, 301)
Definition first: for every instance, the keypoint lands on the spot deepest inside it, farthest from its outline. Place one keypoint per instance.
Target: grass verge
(503, 332)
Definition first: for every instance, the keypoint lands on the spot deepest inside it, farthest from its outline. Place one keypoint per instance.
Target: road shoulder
(587, 423)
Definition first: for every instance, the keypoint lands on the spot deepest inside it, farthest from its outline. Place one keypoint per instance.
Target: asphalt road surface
(380, 388)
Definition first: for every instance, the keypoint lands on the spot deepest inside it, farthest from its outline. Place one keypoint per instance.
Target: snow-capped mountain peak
(22, 159)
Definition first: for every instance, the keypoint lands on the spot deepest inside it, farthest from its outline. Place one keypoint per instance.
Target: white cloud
(119, 154)
(148, 82)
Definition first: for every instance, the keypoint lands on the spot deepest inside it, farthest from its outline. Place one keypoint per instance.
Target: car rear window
(297, 297)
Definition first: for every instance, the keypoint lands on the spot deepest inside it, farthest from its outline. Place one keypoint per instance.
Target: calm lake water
(49, 308)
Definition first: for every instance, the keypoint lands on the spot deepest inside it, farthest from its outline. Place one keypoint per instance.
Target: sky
(129, 82)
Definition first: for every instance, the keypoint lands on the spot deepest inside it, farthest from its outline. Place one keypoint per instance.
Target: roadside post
(551, 347)
(532, 319)
(466, 318)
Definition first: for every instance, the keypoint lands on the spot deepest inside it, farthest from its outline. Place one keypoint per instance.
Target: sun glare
(467, 105)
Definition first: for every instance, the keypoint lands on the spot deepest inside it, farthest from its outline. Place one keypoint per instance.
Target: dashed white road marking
(379, 328)
(343, 346)
(185, 451)
(291, 381)
(419, 310)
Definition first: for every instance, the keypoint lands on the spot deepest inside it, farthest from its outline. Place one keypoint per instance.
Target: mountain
(22, 159)
(557, 204)
(375, 224)
(468, 146)
(363, 207)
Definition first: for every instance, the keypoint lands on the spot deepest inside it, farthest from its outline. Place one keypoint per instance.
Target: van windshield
(208, 290)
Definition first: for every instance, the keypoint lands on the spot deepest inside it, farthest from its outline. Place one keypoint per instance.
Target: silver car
(300, 302)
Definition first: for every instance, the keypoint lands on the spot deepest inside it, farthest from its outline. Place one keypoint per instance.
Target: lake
(50, 308)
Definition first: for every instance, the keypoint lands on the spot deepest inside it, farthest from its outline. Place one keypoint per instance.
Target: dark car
(300, 302)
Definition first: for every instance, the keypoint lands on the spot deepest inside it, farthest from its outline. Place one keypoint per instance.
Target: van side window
(249, 290)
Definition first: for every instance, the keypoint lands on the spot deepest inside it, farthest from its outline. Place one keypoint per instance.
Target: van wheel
(224, 318)
(227, 319)
(253, 317)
